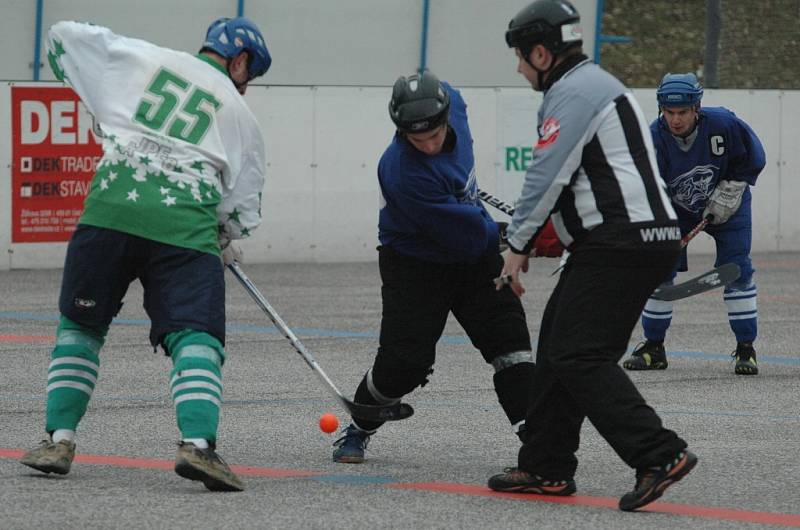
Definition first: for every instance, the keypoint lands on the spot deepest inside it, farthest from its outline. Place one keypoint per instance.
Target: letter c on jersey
(717, 145)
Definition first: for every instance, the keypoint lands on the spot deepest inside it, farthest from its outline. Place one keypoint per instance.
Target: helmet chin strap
(539, 72)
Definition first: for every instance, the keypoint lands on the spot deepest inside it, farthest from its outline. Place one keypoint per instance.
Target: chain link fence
(759, 41)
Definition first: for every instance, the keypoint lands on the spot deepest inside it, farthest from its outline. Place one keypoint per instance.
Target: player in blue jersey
(438, 253)
(709, 158)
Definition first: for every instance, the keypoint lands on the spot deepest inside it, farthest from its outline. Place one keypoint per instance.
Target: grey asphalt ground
(745, 430)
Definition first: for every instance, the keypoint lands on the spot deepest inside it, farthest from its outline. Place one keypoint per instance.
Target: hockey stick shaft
(491, 200)
(696, 230)
(397, 411)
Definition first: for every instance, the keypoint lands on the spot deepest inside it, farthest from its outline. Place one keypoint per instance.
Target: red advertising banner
(53, 157)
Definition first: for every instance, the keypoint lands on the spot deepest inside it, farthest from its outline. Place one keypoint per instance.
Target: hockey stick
(718, 277)
(696, 230)
(506, 208)
(491, 200)
(397, 411)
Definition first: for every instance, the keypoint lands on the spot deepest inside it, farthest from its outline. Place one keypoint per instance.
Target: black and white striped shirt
(594, 168)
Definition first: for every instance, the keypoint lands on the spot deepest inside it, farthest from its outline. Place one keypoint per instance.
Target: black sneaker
(651, 482)
(350, 447)
(515, 480)
(745, 356)
(648, 355)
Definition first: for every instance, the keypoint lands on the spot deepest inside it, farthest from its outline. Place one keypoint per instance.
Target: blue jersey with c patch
(725, 148)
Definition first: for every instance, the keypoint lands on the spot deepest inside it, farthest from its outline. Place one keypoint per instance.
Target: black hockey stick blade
(398, 411)
(391, 412)
(719, 277)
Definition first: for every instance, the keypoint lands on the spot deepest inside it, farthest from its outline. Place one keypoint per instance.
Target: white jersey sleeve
(86, 61)
(183, 153)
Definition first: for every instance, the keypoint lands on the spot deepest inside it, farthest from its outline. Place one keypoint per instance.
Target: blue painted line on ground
(772, 359)
(250, 328)
(327, 333)
(422, 404)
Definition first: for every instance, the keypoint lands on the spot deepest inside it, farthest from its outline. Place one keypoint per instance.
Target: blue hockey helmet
(231, 36)
(679, 90)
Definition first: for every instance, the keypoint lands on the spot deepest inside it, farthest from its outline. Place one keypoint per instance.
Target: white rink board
(323, 144)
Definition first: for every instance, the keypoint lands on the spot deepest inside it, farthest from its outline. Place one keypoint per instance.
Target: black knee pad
(394, 376)
(513, 386)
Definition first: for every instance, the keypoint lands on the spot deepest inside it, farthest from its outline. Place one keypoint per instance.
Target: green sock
(72, 374)
(196, 382)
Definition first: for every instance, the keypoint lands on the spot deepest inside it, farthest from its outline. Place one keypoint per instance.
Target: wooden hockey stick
(696, 230)
(394, 412)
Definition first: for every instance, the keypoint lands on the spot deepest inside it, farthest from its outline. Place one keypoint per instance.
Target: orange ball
(328, 422)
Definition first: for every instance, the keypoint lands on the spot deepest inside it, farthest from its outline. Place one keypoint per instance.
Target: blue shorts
(183, 288)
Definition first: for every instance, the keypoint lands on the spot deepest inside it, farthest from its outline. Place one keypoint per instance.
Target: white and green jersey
(182, 152)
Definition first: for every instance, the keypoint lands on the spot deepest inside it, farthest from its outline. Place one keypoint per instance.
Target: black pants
(417, 298)
(585, 330)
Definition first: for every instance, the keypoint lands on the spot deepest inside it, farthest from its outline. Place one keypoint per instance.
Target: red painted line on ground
(727, 514)
(147, 463)
(27, 338)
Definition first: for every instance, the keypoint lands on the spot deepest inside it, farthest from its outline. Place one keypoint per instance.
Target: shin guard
(196, 382)
(72, 374)
(513, 385)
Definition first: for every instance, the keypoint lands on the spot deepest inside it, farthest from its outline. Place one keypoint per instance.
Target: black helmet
(555, 24)
(419, 103)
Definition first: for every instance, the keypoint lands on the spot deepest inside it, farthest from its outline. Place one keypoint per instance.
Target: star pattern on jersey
(140, 174)
(53, 57)
(139, 182)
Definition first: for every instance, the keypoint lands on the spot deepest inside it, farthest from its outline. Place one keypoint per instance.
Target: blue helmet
(231, 36)
(679, 90)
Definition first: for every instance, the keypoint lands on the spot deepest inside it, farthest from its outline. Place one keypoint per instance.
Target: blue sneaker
(350, 447)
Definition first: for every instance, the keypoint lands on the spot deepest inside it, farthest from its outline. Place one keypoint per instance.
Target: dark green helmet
(419, 103)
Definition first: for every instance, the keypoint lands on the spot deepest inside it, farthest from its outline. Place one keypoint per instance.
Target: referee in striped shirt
(594, 173)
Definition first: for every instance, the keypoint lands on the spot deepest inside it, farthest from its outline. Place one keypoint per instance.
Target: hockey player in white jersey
(180, 179)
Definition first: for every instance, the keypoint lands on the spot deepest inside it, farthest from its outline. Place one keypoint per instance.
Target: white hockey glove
(230, 250)
(725, 200)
